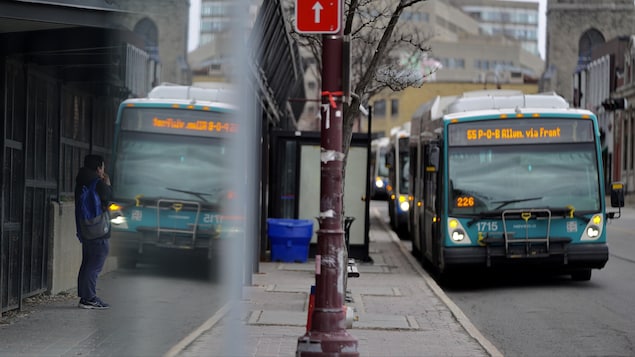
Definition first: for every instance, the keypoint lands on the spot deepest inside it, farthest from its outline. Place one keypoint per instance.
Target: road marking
(206, 326)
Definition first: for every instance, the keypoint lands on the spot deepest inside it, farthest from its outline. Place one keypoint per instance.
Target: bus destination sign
(178, 122)
(198, 125)
(520, 131)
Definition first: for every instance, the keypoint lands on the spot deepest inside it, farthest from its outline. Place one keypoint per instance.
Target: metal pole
(327, 335)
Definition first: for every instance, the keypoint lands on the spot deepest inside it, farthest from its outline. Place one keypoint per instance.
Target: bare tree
(378, 43)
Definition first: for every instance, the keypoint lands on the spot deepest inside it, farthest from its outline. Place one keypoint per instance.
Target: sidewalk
(401, 311)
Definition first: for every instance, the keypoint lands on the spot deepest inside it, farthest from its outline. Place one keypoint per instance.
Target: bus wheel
(446, 278)
(212, 269)
(581, 275)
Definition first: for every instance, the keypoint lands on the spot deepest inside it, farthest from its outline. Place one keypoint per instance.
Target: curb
(461, 318)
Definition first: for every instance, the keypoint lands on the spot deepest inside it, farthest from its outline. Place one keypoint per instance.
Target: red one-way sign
(318, 16)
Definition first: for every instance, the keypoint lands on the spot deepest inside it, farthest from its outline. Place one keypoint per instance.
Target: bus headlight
(119, 220)
(593, 229)
(456, 232)
(458, 235)
(379, 183)
(405, 205)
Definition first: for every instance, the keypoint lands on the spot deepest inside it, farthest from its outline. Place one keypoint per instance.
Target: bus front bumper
(124, 243)
(588, 255)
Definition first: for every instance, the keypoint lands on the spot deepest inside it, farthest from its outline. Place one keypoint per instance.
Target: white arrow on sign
(317, 7)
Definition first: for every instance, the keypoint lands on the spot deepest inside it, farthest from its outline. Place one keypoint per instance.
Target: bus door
(416, 182)
(431, 214)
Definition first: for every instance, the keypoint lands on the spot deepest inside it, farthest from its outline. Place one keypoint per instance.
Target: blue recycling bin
(290, 239)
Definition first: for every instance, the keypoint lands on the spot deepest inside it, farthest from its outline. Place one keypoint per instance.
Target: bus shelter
(294, 190)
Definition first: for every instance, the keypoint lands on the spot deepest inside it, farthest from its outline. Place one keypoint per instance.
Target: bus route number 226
(465, 201)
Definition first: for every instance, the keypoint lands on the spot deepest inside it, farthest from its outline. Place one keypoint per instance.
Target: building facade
(624, 124)
(464, 58)
(517, 20)
(65, 66)
(163, 27)
(64, 69)
(588, 63)
(574, 28)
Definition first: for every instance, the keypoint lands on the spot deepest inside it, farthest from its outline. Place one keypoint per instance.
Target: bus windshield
(404, 167)
(165, 166)
(500, 177)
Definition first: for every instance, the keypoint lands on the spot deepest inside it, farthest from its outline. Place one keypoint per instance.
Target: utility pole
(327, 335)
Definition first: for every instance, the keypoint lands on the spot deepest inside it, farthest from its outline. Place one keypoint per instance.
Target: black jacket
(85, 177)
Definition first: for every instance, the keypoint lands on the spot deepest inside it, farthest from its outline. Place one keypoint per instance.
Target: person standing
(94, 251)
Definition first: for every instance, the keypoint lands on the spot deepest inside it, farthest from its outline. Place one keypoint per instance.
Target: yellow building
(392, 109)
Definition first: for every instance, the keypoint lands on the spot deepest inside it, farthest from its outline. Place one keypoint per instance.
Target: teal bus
(511, 179)
(378, 170)
(170, 173)
(397, 162)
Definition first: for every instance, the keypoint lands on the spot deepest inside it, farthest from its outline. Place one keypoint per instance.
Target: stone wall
(567, 21)
(171, 17)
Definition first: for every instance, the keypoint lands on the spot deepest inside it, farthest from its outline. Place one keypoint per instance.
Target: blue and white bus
(170, 173)
(511, 179)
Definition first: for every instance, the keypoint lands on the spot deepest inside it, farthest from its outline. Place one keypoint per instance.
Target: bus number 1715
(490, 226)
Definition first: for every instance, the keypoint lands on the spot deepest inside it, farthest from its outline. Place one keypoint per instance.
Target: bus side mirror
(617, 199)
(432, 163)
(617, 194)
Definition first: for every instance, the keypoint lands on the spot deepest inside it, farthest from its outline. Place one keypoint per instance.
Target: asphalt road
(154, 307)
(532, 315)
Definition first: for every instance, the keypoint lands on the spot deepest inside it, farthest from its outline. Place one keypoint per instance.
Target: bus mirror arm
(433, 157)
(390, 159)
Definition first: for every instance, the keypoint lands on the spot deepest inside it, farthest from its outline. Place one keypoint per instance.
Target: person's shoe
(95, 304)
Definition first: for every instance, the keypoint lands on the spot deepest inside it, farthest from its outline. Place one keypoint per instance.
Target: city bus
(378, 169)
(170, 174)
(397, 162)
(511, 180)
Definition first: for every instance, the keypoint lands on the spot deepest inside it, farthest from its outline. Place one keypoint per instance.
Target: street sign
(318, 16)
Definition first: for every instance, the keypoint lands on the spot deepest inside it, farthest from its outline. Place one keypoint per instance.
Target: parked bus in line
(398, 161)
(170, 176)
(378, 170)
(512, 179)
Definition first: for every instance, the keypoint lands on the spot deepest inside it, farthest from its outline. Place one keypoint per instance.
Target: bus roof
(379, 142)
(173, 93)
(515, 112)
(505, 100)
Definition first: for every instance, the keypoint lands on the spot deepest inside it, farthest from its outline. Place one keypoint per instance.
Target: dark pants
(94, 253)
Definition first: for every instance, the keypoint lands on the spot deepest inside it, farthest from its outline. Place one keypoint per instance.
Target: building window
(589, 39)
(379, 108)
(214, 9)
(214, 25)
(453, 62)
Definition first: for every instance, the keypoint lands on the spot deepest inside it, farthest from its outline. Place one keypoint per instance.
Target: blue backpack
(93, 220)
